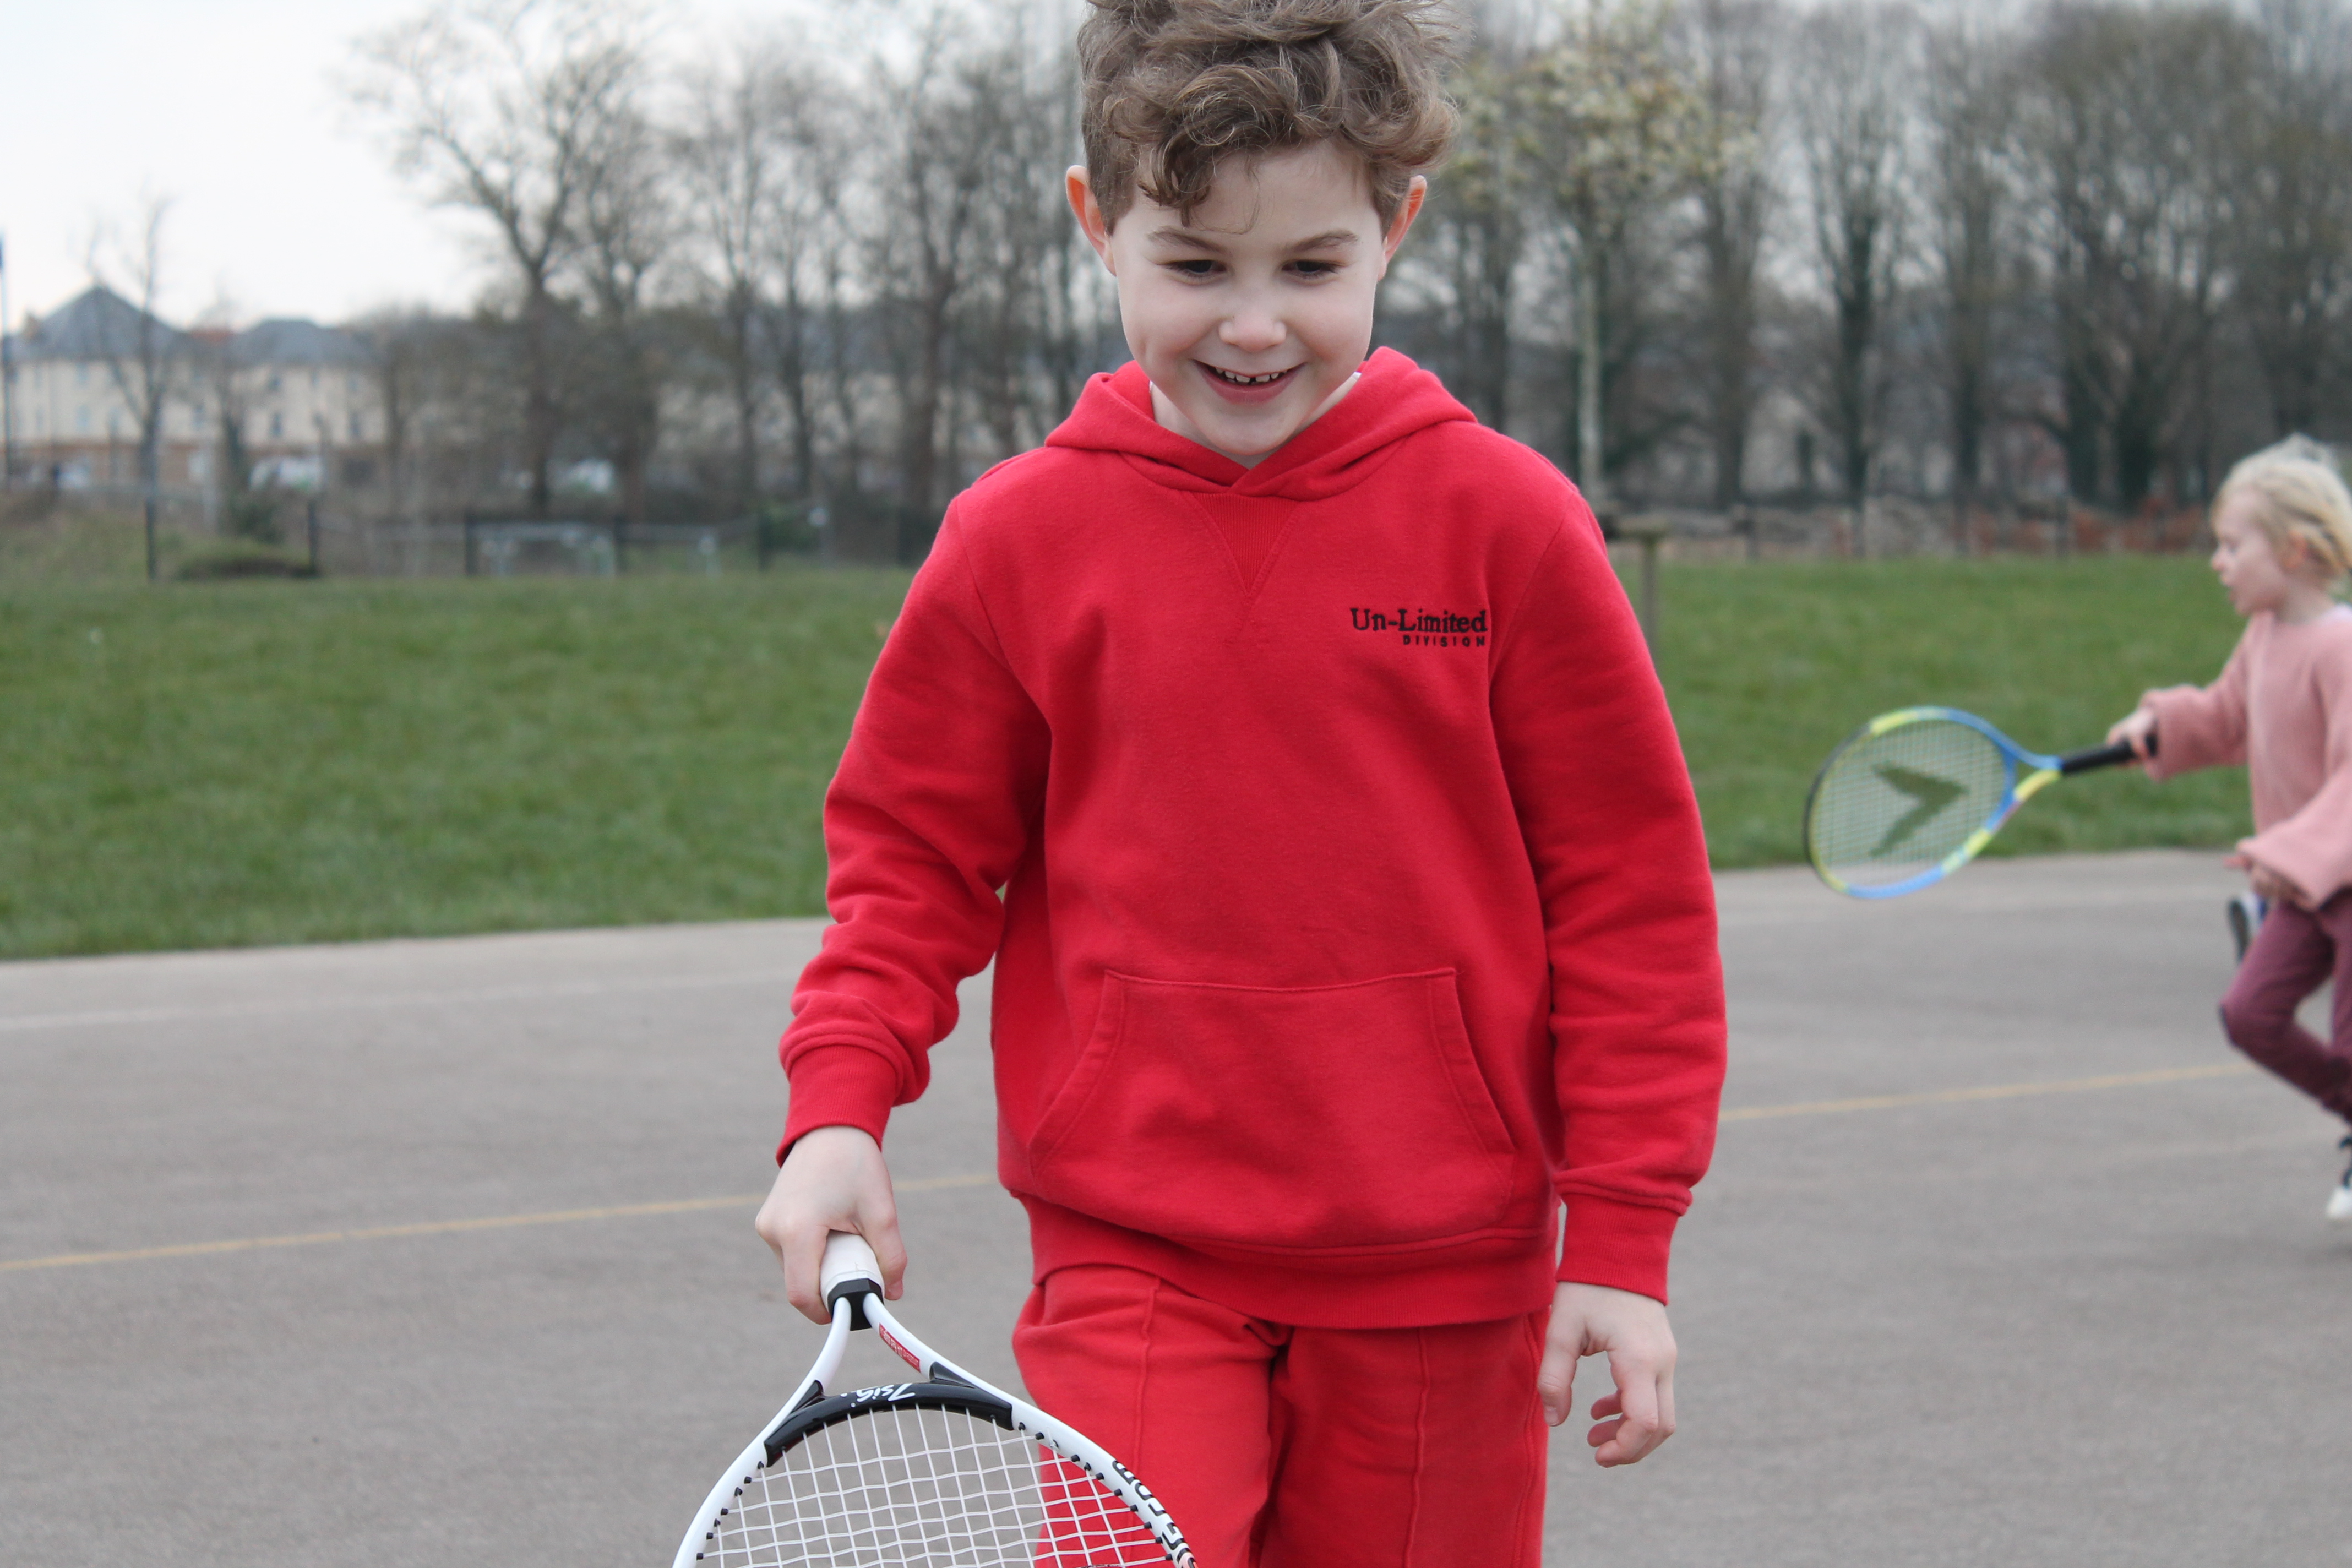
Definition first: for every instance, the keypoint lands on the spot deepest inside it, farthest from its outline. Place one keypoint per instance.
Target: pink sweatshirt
(2283, 708)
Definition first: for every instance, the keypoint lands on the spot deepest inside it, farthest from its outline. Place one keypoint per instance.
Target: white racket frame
(849, 1261)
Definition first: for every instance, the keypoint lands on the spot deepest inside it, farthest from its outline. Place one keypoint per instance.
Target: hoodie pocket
(1327, 1117)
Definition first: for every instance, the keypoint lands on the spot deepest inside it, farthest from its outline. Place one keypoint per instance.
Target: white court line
(198, 1012)
(940, 1184)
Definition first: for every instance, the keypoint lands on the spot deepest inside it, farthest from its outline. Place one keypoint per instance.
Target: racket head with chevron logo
(1914, 795)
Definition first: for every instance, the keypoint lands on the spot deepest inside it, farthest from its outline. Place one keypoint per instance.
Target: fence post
(1648, 532)
(310, 526)
(620, 547)
(471, 561)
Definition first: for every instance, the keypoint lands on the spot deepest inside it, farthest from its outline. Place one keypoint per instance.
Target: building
(79, 375)
(290, 403)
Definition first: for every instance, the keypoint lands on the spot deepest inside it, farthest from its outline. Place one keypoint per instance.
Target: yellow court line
(938, 1183)
(1989, 1091)
(439, 1227)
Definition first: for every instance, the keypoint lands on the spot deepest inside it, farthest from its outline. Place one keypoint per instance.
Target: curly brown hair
(1173, 88)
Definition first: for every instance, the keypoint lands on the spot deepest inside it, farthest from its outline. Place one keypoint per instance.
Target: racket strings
(1897, 804)
(913, 1487)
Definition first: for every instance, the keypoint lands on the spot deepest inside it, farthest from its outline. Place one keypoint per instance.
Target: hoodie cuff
(1622, 1246)
(838, 1086)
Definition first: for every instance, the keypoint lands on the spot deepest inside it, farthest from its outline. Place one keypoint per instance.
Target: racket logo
(874, 1395)
(1929, 794)
(909, 1357)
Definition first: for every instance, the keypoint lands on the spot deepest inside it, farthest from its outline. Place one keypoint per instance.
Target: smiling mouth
(1235, 378)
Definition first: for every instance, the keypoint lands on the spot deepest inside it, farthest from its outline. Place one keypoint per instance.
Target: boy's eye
(1315, 268)
(1194, 268)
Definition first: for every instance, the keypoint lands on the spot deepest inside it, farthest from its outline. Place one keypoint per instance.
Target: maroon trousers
(2296, 953)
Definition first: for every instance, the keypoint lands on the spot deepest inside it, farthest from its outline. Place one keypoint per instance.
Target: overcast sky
(283, 203)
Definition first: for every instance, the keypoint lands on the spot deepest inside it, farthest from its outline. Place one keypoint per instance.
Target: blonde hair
(2303, 498)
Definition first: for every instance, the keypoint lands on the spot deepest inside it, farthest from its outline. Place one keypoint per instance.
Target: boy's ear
(1089, 214)
(1407, 210)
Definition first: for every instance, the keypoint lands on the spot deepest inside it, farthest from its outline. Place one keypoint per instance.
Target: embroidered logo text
(1423, 628)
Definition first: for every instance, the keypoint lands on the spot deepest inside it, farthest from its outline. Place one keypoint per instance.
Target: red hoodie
(1354, 909)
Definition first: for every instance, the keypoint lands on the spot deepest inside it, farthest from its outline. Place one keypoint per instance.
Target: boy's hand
(1632, 1331)
(833, 1179)
(2135, 727)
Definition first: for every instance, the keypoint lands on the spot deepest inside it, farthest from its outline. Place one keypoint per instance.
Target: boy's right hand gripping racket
(1912, 796)
(944, 1471)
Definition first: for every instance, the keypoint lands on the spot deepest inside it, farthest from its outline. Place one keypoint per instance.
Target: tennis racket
(947, 1470)
(1912, 796)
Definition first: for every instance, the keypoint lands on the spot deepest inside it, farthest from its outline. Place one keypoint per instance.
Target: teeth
(1239, 380)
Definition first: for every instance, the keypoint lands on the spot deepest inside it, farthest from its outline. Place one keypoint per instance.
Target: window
(81, 375)
(277, 381)
(359, 428)
(81, 421)
(277, 426)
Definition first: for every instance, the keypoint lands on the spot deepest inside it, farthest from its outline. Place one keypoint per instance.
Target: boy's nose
(1253, 331)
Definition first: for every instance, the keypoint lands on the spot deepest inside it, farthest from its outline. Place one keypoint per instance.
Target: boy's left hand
(1633, 1332)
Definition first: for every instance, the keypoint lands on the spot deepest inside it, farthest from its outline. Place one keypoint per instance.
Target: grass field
(228, 764)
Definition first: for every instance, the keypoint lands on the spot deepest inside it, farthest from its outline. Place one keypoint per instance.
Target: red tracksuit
(1355, 915)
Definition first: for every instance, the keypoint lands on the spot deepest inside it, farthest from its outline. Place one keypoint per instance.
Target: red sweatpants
(1277, 1447)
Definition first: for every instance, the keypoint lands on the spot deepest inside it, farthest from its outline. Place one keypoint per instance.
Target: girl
(2283, 527)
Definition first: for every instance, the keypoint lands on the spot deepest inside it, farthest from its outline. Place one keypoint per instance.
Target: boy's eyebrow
(1327, 240)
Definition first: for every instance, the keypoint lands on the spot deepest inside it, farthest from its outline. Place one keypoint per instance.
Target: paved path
(2003, 1260)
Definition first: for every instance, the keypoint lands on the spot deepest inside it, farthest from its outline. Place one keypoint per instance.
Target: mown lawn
(224, 764)
(227, 764)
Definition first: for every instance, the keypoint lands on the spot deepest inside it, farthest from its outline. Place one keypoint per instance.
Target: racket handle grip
(849, 1269)
(2113, 756)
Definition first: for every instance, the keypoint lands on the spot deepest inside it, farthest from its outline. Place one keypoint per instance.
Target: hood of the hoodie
(1393, 399)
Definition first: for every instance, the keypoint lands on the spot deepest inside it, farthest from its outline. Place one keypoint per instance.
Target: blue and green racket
(1914, 795)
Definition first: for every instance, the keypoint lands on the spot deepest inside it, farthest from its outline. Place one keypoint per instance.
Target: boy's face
(1252, 318)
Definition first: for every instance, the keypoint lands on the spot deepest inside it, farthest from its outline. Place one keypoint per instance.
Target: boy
(1354, 911)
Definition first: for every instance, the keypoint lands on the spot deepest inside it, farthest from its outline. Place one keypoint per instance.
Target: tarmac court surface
(440, 1252)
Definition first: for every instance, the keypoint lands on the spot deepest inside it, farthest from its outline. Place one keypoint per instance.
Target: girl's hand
(2138, 728)
(2270, 884)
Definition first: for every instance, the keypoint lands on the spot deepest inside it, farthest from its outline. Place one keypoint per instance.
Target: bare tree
(750, 162)
(143, 355)
(1852, 133)
(2287, 195)
(626, 232)
(503, 107)
(947, 126)
(1733, 61)
(1969, 192)
(1618, 128)
(1472, 243)
(2129, 230)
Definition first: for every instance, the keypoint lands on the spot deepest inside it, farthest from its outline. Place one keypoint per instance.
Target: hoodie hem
(1475, 1280)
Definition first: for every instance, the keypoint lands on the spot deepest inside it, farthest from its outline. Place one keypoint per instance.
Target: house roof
(97, 325)
(292, 340)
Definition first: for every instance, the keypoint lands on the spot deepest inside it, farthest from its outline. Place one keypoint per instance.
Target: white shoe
(2339, 1202)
